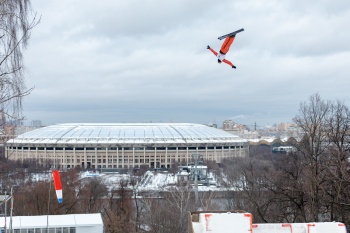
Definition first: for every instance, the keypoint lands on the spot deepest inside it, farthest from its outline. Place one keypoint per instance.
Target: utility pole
(196, 157)
(5, 198)
(5, 212)
(48, 201)
(11, 210)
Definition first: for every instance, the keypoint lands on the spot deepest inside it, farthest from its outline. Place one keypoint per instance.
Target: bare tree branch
(16, 22)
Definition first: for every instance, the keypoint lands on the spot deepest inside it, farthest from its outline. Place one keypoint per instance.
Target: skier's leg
(226, 44)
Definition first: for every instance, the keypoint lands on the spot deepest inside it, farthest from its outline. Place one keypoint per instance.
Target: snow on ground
(112, 179)
(151, 181)
(155, 181)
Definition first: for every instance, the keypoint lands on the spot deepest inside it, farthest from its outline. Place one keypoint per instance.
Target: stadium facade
(127, 145)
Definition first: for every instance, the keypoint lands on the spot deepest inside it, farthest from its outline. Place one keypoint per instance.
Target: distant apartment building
(239, 130)
(286, 126)
(228, 125)
(250, 134)
(277, 131)
(231, 126)
(36, 124)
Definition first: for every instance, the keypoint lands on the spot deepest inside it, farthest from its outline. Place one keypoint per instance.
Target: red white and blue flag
(58, 185)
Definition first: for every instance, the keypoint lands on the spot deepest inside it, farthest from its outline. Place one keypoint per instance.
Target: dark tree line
(310, 184)
(122, 210)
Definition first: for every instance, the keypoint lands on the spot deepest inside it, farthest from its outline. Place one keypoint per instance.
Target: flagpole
(48, 204)
(11, 210)
(5, 211)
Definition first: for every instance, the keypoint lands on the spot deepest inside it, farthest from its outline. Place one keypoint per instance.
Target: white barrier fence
(223, 222)
(317, 227)
(240, 222)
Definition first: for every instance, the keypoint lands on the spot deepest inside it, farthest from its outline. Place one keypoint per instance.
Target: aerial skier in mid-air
(225, 47)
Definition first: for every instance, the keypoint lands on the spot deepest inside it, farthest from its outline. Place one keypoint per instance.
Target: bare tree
(267, 185)
(179, 199)
(168, 213)
(287, 186)
(338, 184)
(118, 210)
(33, 197)
(16, 24)
(250, 186)
(207, 200)
(312, 119)
(91, 194)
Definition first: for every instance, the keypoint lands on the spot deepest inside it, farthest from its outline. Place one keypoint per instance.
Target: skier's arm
(213, 51)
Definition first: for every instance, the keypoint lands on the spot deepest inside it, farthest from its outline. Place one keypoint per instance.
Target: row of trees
(161, 211)
(311, 184)
(36, 196)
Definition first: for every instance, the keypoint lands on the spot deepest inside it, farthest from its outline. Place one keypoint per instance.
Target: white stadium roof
(147, 133)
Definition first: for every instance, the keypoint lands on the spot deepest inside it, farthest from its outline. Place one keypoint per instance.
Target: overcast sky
(146, 61)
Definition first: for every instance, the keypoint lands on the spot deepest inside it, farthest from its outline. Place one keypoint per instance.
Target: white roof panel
(88, 219)
(54, 220)
(127, 132)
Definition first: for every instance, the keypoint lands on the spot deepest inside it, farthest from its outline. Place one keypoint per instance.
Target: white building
(153, 145)
(69, 223)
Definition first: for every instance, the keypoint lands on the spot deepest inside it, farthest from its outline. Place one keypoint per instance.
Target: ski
(231, 34)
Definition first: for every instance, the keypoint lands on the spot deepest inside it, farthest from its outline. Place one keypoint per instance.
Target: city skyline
(225, 125)
(147, 61)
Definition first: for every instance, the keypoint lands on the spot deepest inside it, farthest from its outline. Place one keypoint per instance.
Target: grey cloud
(119, 61)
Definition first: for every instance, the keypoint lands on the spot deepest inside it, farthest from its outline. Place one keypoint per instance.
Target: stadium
(124, 145)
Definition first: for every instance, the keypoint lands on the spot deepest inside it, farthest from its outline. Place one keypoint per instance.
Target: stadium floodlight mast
(5, 198)
(195, 158)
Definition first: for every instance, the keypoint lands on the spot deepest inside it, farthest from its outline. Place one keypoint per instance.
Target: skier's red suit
(224, 49)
